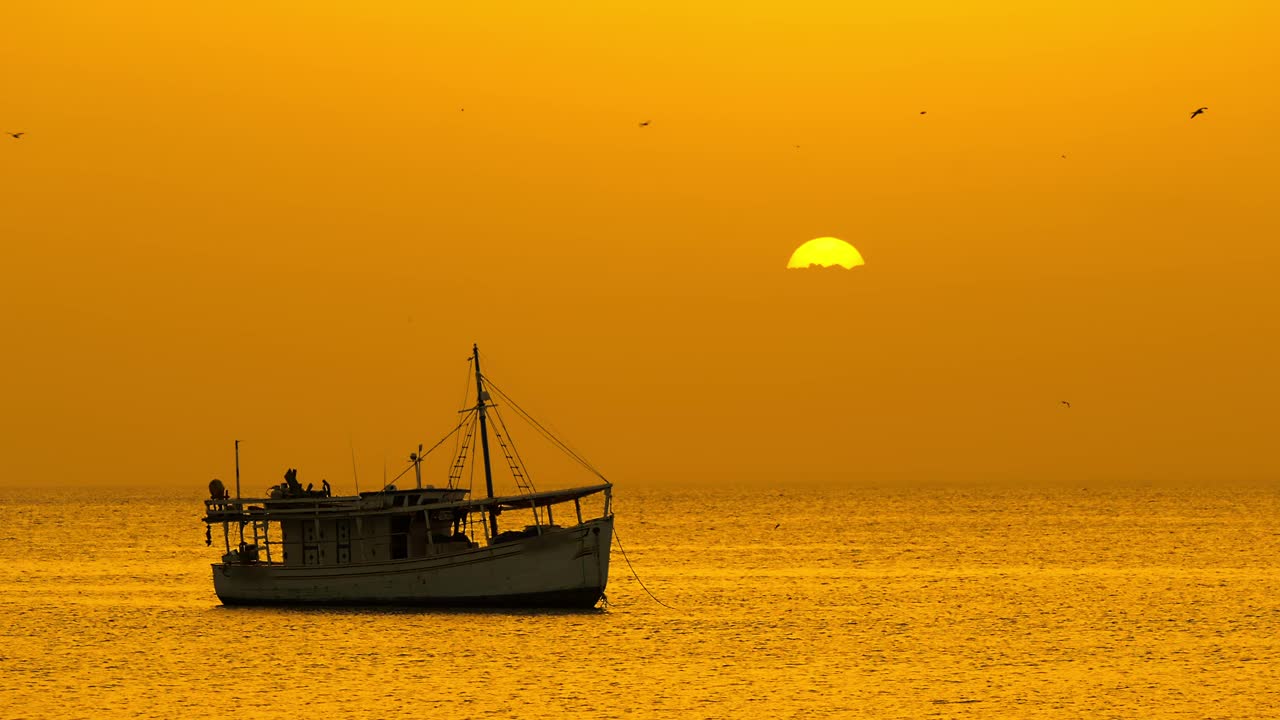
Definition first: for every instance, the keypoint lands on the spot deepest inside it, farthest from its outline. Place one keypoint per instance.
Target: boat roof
(361, 505)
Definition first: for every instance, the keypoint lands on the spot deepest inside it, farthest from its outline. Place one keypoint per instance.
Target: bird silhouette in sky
(17, 135)
(1199, 111)
(775, 527)
(924, 112)
(644, 123)
(1064, 402)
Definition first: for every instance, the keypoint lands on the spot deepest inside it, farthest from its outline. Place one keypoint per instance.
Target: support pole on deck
(239, 507)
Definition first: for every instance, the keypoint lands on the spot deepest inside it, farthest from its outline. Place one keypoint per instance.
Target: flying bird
(923, 112)
(644, 123)
(17, 135)
(1199, 111)
(775, 527)
(1064, 402)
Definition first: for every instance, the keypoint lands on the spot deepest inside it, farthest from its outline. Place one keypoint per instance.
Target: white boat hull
(564, 567)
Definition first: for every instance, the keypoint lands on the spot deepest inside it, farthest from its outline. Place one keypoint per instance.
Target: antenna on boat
(416, 459)
(239, 508)
(481, 398)
(354, 475)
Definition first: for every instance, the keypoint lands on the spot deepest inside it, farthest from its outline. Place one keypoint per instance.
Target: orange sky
(275, 222)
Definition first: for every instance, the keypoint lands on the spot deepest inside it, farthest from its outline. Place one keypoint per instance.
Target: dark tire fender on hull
(581, 598)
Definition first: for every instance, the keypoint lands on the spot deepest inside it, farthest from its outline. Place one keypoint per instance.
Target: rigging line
(471, 483)
(466, 381)
(446, 437)
(566, 447)
(547, 433)
(439, 442)
(466, 390)
(559, 445)
(471, 477)
(529, 417)
(636, 576)
(467, 449)
(519, 471)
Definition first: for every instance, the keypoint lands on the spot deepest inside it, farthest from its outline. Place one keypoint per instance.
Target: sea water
(859, 602)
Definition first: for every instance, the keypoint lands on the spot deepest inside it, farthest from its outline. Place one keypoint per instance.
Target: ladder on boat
(523, 483)
(460, 462)
(261, 538)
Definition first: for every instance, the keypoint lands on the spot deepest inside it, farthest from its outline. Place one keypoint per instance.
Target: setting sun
(825, 252)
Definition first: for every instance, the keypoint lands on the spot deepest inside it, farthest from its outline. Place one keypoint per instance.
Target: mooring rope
(637, 576)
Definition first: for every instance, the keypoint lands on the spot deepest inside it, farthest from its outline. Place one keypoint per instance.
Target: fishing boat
(422, 546)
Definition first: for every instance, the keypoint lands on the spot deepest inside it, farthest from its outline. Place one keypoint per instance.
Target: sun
(825, 252)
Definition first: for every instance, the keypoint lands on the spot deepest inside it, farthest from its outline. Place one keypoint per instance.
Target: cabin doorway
(400, 537)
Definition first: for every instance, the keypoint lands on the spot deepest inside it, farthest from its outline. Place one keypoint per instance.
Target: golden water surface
(1139, 602)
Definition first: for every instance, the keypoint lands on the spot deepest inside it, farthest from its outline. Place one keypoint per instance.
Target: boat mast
(416, 459)
(481, 397)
